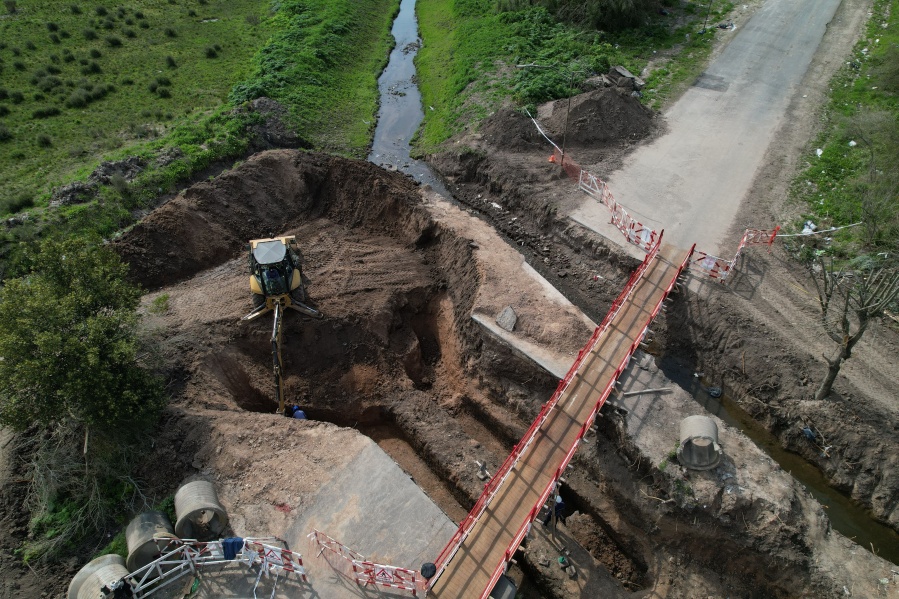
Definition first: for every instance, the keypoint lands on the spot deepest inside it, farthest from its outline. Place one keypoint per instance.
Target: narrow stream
(400, 111)
(846, 516)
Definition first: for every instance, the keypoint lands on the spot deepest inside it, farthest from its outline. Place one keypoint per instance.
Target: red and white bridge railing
(366, 572)
(719, 268)
(496, 482)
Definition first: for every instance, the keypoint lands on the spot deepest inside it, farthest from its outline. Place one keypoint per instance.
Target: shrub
(191, 13)
(29, 45)
(75, 9)
(19, 65)
(65, 34)
(68, 57)
(53, 70)
(169, 32)
(48, 84)
(138, 15)
(130, 33)
(113, 41)
(51, 27)
(5, 133)
(252, 20)
(120, 11)
(14, 204)
(108, 24)
(78, 99)
(129, 21)
(15, 51)
(211, 53)
(16, 97)
(10, 6)
(163, 92)
(95, 53)
(44, 141)
(127, 81)
(91, 69)
(144, 25)
(170, 62)
(163, 81)
(4, 110)
(46, 112)
(55, 38)
(90, 34)
(39, 97)
(4, 93)
(101, 11)
(54, 58)
(153, 86)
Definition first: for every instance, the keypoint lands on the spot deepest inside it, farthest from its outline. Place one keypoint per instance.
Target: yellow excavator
(277, 283)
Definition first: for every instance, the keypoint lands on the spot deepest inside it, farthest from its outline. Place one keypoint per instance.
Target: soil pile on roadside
(510, 130)
(602, 116)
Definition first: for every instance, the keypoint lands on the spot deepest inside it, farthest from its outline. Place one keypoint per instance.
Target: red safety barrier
(719, 268)
(386, 576)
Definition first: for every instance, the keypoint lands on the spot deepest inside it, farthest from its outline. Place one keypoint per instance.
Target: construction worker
(556, 509)
(294, 411)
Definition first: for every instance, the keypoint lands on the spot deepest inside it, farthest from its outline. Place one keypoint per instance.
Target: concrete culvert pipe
(89, 569)
(140, 535)
(200, 515)
(102, 572)
(699, 449)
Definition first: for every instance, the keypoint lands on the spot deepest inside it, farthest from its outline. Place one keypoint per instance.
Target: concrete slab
(370, 505)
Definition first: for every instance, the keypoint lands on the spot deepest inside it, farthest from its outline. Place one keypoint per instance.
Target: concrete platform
(371, 506)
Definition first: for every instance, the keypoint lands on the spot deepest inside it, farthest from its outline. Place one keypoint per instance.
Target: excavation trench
(397, 356)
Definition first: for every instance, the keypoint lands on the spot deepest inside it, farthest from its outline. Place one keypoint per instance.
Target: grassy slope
(320, 58)
(470, 51)
(863, 111)
(131, 113)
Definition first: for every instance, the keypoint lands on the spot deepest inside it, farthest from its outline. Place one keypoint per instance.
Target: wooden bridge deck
(470, 570)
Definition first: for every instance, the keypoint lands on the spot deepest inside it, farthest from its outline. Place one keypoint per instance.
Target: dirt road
(691, 181)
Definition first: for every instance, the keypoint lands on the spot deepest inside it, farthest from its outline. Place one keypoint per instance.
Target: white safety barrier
(366, 572)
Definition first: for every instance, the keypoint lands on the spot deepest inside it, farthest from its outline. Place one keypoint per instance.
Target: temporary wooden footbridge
(486, 540)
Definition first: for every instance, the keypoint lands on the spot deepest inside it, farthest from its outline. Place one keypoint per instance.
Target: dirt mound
(511, 130)
(602, 116)
(210, 223)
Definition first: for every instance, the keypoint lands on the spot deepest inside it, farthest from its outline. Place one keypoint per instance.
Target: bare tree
(850, 298)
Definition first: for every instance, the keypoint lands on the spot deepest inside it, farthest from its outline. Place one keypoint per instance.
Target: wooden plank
(470, 570)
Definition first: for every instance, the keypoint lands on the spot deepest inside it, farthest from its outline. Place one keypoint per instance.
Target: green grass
(101, 87)
(324, 62)
(467, 63)
(855, 178)
(161, 90)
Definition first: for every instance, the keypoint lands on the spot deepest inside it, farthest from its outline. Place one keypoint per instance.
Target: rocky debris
(17, 220)
(128, 169)
(168, 156)
(274, 130)
(507, 319)
(623, 78)
(78, 192)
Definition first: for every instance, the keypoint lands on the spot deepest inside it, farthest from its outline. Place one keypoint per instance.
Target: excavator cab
(276, 276)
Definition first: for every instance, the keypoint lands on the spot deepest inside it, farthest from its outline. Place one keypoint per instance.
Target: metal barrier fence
(639, 234)
(367, 572)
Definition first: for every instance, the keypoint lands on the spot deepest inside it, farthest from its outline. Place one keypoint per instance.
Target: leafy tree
(68, 344)
(850, 297)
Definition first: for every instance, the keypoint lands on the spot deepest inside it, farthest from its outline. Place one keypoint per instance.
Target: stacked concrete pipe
(104, 571)
(200, 515)
(141, 535)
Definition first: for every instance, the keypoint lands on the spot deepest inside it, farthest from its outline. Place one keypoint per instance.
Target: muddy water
(845, 515)
(400, 112)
